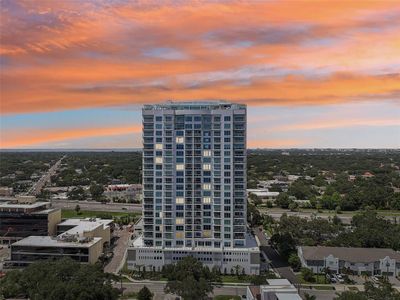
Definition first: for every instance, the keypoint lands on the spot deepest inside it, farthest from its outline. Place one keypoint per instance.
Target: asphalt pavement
(97, 206)
(278, 263)
(158, 289)
(121, 245)
(37, 187)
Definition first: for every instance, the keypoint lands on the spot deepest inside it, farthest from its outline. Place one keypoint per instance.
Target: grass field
(234, 279)
(318, 279)
(69, 213)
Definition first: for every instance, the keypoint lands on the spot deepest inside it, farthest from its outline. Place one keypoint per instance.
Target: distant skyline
(314, 74)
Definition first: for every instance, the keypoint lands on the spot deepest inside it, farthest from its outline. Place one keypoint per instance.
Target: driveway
(119, 250)
(277, 262)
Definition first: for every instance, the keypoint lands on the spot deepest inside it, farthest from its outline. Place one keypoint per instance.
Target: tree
(294, 262)
(96, 190)
(309, 297)
(284, 243)
(283, 200)
(76, 193)
(62, 280)
(253, 215)
(384, 291)
(190, 279)
(293, 206)
(255, 199)
(77, 209)
(307, 274)
(145, 294)
(237, 269)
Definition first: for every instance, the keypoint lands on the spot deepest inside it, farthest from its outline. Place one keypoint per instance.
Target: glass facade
(20, 225)
(194, 175)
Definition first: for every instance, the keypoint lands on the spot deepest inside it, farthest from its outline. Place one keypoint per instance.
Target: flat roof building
(80, 239)
(20, 219)
(37, 248)
(277, 289)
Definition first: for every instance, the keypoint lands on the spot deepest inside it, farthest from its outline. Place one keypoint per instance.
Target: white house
(370, 261)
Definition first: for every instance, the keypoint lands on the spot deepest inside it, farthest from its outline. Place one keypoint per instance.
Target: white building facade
(369, 261)
(194, 187)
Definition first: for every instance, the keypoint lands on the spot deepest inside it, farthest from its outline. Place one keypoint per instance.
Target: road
(276, 213)
(97, 206)
(119, 250)
(277, 262)
(158, 289)
(37, 187)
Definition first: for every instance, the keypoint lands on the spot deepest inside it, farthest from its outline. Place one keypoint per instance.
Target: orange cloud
(75, 55)
(27, 137)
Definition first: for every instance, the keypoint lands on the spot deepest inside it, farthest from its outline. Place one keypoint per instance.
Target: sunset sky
(74, 74)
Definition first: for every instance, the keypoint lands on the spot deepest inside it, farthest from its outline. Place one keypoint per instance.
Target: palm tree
(237, 268)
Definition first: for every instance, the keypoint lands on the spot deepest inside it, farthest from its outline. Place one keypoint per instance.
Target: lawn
(234, 279)
(69, 213)
(318, 279)
(226, 297)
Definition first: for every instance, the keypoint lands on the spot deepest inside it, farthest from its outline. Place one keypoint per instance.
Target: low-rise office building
(83, 240)
(277, 289)
(37, 248)
(370, 261)
(89, 227)
(24, 217)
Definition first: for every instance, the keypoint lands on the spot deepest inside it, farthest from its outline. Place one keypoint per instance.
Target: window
(180, 167)
(206, 186)
(180, 200)
(206, 167)
(207, 200)
(159, 160)
(207, 153)
(179, 140)
(179, 221)
(159, 146)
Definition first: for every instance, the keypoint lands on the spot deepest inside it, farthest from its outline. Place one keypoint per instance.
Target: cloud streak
(97, 53)
(24, 138)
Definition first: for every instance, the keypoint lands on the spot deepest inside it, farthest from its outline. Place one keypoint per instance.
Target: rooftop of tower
(194, 105)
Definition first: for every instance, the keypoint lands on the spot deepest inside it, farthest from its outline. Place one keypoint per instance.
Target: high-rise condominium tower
(194, 184)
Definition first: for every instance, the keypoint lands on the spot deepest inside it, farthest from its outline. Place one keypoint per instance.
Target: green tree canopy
(384, 291)
(145, 294)
(64, 279)
(190, 279)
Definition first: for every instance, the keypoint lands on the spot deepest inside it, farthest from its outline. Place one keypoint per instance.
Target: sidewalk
(161, 281)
